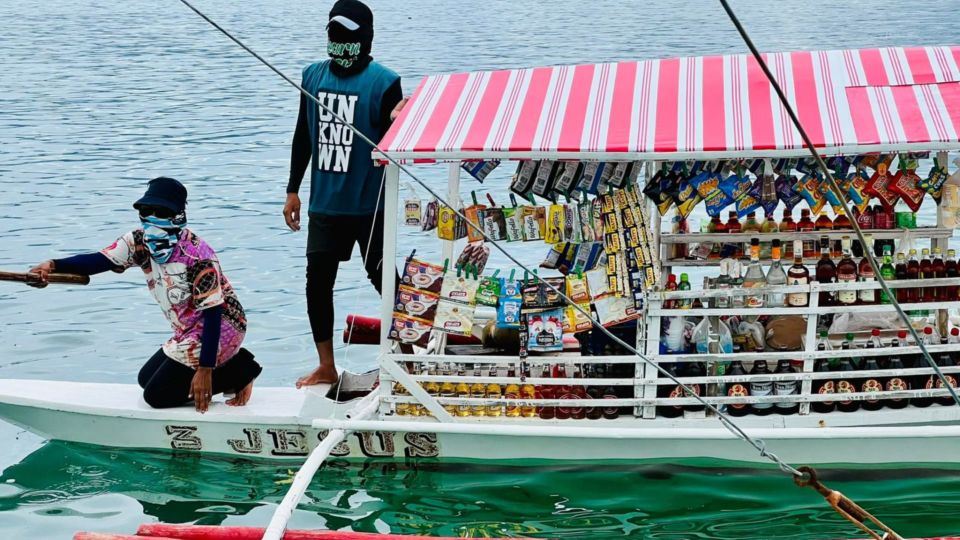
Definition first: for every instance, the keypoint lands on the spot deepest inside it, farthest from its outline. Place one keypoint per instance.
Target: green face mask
(344, 54)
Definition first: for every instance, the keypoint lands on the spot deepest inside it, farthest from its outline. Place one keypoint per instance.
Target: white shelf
(878, 234)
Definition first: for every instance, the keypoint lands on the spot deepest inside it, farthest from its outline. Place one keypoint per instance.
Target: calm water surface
(98, 97)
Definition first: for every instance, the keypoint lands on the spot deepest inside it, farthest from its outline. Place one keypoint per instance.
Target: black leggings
(166, 382)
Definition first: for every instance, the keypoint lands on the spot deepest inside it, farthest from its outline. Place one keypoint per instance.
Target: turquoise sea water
(96, 98)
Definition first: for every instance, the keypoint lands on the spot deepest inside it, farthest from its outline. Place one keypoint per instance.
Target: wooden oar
(26, 277)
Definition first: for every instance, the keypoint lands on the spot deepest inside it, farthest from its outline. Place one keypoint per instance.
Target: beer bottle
(786, 388)
(494, 392)
(695, 369)
(512, 391)
(463, 391)
(578, 412)
(478, 390)
(871, 383)
(761, 387)
(448, 390)
(737, 389)
(944, 360)
(823, 386)
(896, 383)
(546, 391)
(924, 381)
(595, 392)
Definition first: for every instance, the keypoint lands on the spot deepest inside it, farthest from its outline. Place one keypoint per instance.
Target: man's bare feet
(323, 374)
(242, 397)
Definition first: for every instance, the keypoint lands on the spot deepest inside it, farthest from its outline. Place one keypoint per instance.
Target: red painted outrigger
(159, 531)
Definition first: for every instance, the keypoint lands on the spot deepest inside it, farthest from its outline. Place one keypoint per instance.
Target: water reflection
(474, 500)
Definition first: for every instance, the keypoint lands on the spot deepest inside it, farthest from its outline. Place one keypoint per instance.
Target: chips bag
(933, 183)
(786, 192)
(430, 216)
(708, 187)
(480, 169)
(904, 184)
(879, 186)
(489, 290)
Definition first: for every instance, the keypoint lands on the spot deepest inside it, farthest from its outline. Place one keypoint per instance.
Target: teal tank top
(343, 178)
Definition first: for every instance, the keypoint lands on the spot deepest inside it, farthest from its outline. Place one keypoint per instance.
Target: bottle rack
(808, 355)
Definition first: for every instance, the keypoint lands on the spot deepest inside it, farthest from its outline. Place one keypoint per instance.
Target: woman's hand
(201, 388)
(291, 211)
(396, 110)
(42, 271)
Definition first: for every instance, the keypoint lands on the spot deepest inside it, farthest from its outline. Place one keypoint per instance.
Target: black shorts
(337, 234)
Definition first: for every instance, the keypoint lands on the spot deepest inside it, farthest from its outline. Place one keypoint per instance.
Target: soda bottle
(610, 412)
(847, 385)
(684, 285)
(924, 381)
(432, 388)
(927, 294)
(865, 221)
(786, 388)
(463, 391)
(448, 390)
(889, 274)
(546, 391)
(578, 412)
(512, 391)
(826, 272)
(670, 287)
(944, 360)
(895, 383)
(939, 269)
(737, 389)
(823, 386)
(871, 383)
(913, 272)
(788, 226)
(761, 387)
(951, 270)
(900, 271)
(865, 275)
(528, 392)
(846, 273)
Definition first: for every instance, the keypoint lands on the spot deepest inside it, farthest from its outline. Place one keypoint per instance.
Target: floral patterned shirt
(188, 283)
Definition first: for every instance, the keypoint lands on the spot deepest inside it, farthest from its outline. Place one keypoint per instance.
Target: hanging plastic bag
(431, 216)
(474, 256)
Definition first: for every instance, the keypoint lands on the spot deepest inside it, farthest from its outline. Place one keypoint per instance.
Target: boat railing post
(388, 279)
(652, 350)
(809, 346)
(943, 320)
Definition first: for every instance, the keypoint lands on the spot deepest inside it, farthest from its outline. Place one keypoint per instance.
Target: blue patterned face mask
(161, 235)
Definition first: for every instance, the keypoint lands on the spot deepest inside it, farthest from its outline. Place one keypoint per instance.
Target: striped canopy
(852, 101)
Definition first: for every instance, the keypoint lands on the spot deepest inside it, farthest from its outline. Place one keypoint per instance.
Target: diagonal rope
(758, 444)
(839, 193)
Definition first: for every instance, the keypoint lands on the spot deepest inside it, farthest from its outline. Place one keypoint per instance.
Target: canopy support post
(388, 278)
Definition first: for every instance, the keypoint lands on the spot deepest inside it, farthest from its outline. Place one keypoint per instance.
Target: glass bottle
(913, 272)
(842, 223)
(846, 273)
(669, 390)
(806, 225)
(895, 383)
(761, 387)
(512, 391)
(695, 369)
(478, 390)
(752, 226)
(775, 276)
(546, 391)
(463, 392)
(798, 275)
(927, 294)
(903, 293)
(768, 226)
(723, 282)
(871, 383)
(448, 390)
(865, 275)
(824, 223)
(823, 386)
(888, 273)
(924, 381)
(670, 287)
(493, 391)
(943, 360)
(939, 270)
(610, 412)
(951, 271)
(754, 276)
(734, 227)
(847, 385)
(787, 225)
(716, 227)
(826, 272)
(737, 389)
(786, 388)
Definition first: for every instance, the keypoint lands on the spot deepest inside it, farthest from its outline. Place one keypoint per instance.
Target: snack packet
(590, 179)
(410, 330)
(454, 318)
(612, 310)
(522, 181)
(577, 288)
(494, 223)
(556, 219)
(829, 196)
(568, 177)
(472, 213)
(552, 260)
(686, 198)
(786, 192)
(480, 169)
(545, 331)
(597, 283)
(809, 189)
(488, 291)
(575, 321)
(904, 183)
(572, 232)
(879, 186)
(551, 290)
(534, 222)
(508, 306)
(416, 303)
(422, 275)
(430, 216)
(545, 178)
(933, 183)
(447, 224)
(708, 187)
(568, 257)
(587, 234)
(474, 257)
(749, 200)
(412, 213)
(513, 221)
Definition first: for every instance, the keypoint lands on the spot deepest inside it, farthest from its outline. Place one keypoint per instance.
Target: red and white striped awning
(851, 101)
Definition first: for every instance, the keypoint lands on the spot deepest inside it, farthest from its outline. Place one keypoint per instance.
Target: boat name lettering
(253, 444)
(421, 445)
(288, 442)
(385, 447)
(184, 438)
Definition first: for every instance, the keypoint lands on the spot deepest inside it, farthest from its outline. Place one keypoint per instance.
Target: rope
(846, 507)
(737, 431)
(832, 183)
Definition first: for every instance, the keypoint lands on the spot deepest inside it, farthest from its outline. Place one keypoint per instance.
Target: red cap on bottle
(902, 334)
(928, 330)
(875, 332)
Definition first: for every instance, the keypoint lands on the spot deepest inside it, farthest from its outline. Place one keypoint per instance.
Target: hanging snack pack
(855, 184)
(568, 178)
(513, 221)
(410, 330)
(493, 221)
(508, 305)
(545, 331)
(488, 290)
(480, 169)
(686, 198)
(737, 187)
(809, 189)
(613, 310)
(556, 220)
(431, 216)
(447, 223)
(472, 213)
(708, 187)
(577, 288)
(422, 275)
(828, 195)
(575, 321)
(933, 183)
(786, 193)
(879, 186)
(523, 179)
(545, 178)
(454, 318)
(586, 222)
(412, 213)
(534, 222)
(474, 256)
(416, 303)
(460, 286)
(904, 184)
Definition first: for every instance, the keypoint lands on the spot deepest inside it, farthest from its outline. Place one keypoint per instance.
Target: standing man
(345, 202)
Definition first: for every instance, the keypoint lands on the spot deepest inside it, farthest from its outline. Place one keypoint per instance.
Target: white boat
(626, 112)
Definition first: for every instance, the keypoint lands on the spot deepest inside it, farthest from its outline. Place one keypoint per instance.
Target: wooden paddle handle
(26, 277)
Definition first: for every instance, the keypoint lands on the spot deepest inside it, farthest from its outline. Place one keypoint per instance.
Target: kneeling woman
(204, 357)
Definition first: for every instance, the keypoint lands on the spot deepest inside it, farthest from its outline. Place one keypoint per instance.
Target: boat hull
(279, 425)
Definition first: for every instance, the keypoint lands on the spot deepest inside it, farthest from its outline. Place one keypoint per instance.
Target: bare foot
(321, 375)
(242, 397)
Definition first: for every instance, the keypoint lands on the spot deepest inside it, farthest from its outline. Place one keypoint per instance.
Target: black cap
(165, 192)
(353, 15)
